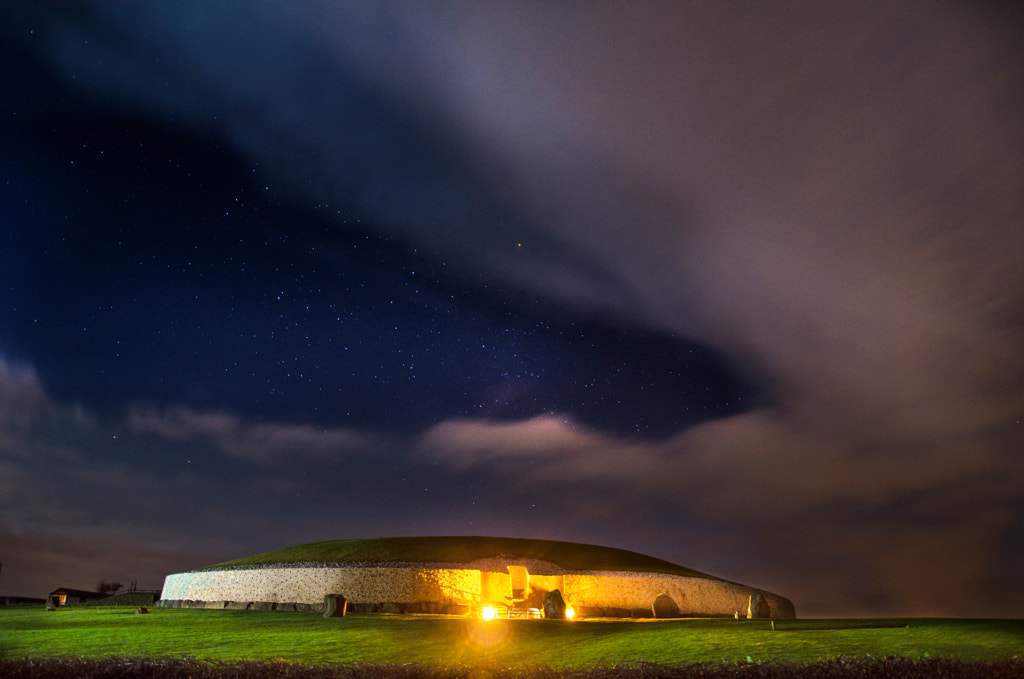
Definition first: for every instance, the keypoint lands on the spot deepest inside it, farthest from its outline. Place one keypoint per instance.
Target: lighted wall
(491, 583)
(309, 585)
(700, 596)
(494, 587)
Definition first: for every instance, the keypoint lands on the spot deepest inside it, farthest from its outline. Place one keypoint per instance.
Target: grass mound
(462, 549)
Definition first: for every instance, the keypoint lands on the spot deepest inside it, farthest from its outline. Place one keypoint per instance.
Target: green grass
(462, 549)
(227, 636)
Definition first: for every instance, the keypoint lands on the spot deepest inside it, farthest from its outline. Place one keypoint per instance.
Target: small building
(63, 596)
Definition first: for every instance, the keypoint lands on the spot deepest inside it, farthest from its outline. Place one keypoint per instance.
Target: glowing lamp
(569, 613)
(487, 613)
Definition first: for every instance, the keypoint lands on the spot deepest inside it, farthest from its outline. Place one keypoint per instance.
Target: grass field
(229, 636)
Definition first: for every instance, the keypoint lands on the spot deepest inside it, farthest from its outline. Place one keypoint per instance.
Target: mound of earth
(570, 556)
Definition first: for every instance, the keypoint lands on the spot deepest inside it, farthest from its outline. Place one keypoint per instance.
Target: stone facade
(441, 588)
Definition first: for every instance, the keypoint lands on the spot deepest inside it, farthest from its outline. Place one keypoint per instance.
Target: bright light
(569, 613)
(487, 613)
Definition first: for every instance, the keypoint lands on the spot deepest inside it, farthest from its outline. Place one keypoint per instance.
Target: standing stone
(335, 606)
(757, 607)
(665, 606)
(554, 605)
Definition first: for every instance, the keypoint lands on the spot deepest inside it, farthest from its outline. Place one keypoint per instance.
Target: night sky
(736, 285)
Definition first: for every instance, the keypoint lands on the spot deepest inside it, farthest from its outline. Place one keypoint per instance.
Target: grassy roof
(459, 549)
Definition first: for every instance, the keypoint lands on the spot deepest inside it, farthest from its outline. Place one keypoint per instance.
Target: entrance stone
(757, 607)
(335, 606)
(554, 605)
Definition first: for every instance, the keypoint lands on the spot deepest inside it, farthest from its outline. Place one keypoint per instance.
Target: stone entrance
(519, 580)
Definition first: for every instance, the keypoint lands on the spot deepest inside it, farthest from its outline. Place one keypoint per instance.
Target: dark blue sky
(736, 286)
(151, 264)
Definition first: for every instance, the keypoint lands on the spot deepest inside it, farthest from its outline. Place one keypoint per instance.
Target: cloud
(830, 194)
(724, 466)
(136, 498)
(829, 178)
(270, 445)
(843, 529)
(469, 442)
(21, 399)
(71, 515)
(547, 449)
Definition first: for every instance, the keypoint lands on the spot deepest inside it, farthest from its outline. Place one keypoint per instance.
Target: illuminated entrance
(519, 580)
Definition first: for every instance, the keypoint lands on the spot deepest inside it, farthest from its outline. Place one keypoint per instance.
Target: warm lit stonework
(510, 585)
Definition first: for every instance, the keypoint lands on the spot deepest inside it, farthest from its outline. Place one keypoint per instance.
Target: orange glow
(487, 613)
(486, 636)
(569, 613)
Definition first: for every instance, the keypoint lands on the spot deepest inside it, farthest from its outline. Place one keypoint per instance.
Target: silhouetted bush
(109, 587)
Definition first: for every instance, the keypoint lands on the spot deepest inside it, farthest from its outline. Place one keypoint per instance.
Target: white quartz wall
(692, 595)
(308, 585)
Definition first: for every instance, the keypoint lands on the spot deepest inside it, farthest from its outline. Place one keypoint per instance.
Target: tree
(109, 587)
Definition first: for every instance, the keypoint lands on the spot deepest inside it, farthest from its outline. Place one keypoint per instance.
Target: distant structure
(464, 576)
(64, 596)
